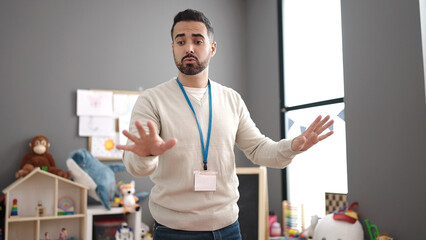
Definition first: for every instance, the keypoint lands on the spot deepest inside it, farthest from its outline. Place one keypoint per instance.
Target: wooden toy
(14, 211)
(40, 209)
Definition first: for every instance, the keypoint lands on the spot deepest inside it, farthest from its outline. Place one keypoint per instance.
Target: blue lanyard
(205, 150)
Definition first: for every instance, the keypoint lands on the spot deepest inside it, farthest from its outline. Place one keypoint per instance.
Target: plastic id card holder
(205, 181)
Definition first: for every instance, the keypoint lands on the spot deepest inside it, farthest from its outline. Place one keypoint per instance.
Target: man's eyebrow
(198, 35)
(193, 35)
(180, 35)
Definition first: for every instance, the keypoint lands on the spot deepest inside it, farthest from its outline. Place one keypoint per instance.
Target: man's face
(192, 48)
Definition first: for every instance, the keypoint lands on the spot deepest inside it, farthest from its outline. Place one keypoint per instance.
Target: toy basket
(105, 228)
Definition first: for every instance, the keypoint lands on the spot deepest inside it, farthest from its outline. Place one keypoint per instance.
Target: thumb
(297, 143)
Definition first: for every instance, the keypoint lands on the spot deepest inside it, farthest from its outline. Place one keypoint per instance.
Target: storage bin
(105, 228)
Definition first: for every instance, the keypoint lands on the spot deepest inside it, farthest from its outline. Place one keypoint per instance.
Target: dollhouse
(41, 204)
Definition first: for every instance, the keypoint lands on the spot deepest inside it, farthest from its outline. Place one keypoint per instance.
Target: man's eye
(199, 42)
(179, 42)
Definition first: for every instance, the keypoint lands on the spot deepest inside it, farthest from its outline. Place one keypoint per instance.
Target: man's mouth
(189, 59)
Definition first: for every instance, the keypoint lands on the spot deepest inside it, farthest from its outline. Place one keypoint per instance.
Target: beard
(191, 68)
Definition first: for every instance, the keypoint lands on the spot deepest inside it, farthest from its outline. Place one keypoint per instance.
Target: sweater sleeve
(136, 165)
(257, 147)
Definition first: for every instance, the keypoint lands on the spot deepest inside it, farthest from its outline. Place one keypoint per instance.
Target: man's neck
(199, 80)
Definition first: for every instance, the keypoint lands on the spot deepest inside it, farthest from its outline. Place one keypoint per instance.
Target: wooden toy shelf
(25, 219)
(51, 193)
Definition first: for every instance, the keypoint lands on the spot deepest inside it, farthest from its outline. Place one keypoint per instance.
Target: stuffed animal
(384, 236)
(144, 230)
(80, 176)
(341, 225)
(330, 229)
(148, 236)
(89, 171)
(39, 156)
(309, 232)
(102, 175)
(128, 200)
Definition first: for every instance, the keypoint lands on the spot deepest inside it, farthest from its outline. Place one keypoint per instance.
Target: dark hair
(193, 15)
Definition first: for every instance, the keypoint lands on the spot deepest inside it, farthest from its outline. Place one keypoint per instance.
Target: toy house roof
(37, 171)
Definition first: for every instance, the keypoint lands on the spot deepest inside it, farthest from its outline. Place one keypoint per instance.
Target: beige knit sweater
(173, 201)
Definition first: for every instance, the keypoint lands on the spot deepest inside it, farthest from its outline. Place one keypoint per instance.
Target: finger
(314, 124)
(331, 122)
(130, 136)
(324, 136)
(151, 127)
(125, 147)
(311, 127)
(140, 129)
(321, 124)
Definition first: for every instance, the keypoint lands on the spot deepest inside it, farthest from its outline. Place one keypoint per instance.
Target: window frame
(283, 108)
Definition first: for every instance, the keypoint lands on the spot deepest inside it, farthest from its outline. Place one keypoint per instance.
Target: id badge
(205, 181)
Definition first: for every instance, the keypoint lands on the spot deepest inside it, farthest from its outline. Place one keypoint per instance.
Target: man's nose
(189, 48)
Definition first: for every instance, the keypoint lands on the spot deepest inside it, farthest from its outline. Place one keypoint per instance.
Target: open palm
(146, 144)
(312, 135)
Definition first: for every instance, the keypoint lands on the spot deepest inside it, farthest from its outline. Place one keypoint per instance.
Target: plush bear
(39, 156)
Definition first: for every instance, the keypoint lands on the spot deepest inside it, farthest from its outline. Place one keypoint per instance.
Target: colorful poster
(105, 147)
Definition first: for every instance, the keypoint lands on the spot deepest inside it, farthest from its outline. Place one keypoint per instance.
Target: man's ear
(213, 48)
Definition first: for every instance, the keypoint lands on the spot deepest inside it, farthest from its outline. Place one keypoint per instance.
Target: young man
(187, 148)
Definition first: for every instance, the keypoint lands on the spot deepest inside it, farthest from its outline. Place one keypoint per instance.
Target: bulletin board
(253, 203)
(112, 110)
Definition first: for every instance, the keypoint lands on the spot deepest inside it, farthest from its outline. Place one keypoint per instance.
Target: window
(312, 85)
(422, 4)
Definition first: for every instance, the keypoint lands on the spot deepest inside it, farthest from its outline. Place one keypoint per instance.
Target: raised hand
(312, 135)
(147, 144)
